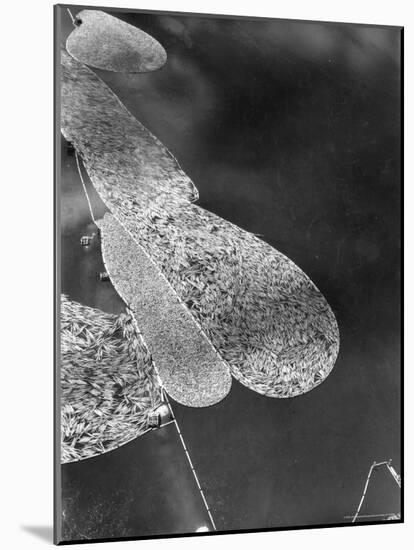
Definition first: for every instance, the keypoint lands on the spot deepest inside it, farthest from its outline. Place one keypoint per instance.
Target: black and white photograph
(228, 274)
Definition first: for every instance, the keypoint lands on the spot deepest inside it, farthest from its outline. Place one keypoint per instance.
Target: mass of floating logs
(109, 388)
(121, 155)
(264, 317)
(106, 42)
(192, 371)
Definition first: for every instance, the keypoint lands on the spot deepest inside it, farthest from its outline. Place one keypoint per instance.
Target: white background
(26, 314)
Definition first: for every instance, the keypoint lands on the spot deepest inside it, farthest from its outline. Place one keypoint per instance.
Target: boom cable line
(71, 16)
(84, 188)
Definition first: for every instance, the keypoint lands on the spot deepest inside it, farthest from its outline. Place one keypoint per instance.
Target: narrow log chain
(364, 493)
(71, 16)
(374, 465)
(190, 462)
(360, 516)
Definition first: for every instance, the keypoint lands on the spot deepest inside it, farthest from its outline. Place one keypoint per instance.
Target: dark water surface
(291, 131)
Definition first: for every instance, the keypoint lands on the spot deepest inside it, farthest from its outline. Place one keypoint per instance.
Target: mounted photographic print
(228, 261)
